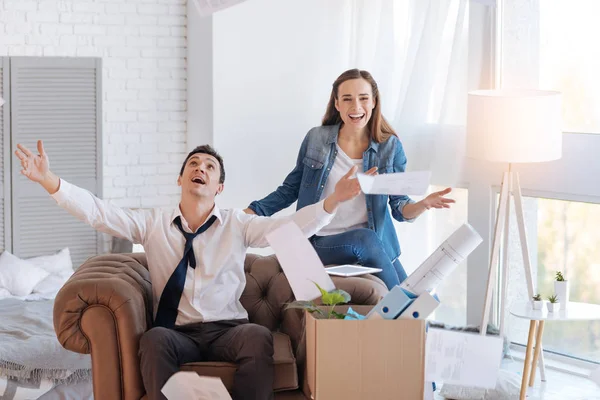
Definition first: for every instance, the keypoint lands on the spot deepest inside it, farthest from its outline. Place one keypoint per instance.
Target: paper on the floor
(299, 261)
(462, 358)
(190, 385)
(399, 183)
(208, 7)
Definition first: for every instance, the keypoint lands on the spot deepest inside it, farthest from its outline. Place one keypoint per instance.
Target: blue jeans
(359, 246)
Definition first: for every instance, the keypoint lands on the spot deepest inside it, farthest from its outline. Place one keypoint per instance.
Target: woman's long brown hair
(379, 129)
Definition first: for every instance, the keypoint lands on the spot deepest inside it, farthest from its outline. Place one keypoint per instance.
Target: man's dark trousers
(250, 346)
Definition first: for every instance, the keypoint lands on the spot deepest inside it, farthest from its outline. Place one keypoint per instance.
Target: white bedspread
(29, 348)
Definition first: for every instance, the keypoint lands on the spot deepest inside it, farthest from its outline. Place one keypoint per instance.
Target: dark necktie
(171, 295)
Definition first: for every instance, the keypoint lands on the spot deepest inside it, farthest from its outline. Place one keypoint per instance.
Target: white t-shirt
(351, 214)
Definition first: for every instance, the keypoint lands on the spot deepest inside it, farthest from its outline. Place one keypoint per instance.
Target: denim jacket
(307, 180)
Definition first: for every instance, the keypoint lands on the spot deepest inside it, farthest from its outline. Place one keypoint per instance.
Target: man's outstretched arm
(100, 214)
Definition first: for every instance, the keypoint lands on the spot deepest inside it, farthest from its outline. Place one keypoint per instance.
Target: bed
(33, 364)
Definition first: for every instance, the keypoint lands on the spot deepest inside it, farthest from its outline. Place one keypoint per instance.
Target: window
(570, 59)
(421, 237)
(550, 45)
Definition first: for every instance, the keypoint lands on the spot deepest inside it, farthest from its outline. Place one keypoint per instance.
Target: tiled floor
(558, 385)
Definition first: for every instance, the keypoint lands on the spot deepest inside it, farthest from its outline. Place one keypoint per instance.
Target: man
(196, 258)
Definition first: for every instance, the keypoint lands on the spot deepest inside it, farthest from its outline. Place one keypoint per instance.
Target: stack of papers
(462, 358)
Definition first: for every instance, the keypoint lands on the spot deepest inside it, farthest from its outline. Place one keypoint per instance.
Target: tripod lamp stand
(512, 126)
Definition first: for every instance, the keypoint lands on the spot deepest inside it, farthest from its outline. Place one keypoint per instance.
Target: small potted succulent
(537, 302)
(553, 304)
(561, 288)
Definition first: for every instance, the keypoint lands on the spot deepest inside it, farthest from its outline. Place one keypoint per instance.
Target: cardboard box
(366, 359)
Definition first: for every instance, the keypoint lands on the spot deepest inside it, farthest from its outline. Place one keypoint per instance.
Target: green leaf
(335, 297)
(338, 315)
(345, 295)
(304, 305)
(323, 291)
(300, 304)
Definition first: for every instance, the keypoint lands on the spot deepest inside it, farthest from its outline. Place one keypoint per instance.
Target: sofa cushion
(286, 372)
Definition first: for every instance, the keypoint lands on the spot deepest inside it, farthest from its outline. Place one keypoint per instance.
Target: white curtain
(417, 51)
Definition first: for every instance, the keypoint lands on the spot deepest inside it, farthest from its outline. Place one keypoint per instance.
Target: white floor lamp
(512, 126)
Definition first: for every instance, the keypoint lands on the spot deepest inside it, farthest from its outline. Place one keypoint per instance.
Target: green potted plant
(554, 304)
(330, 299)
(537, 302)
(561, 287)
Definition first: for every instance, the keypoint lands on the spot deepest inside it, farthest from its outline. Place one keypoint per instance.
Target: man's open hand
(35, 167)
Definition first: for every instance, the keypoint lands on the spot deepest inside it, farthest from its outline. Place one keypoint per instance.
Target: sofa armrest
(104, 309)
(363, 290)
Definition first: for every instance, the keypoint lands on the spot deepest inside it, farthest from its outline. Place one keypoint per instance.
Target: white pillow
(508, 387)
(59, 266)
(55, 263)
(52, 284)
(18, 276)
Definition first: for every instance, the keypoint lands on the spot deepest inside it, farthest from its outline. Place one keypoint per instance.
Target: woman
(353, 136)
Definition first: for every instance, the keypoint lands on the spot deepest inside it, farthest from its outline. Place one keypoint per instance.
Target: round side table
(573, 312)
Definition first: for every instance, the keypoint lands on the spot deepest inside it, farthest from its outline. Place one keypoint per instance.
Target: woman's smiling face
(355, 103)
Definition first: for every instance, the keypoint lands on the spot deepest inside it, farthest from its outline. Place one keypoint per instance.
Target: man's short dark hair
(206, 149)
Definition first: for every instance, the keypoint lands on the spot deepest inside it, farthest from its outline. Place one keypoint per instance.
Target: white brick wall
(143, 47)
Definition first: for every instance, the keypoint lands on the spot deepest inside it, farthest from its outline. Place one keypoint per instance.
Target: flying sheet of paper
(462, 358)
(399, 183)
(208, 7)
(300, 262)
(190, 385)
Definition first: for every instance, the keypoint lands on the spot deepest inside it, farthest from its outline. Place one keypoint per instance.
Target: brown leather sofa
(106, 306)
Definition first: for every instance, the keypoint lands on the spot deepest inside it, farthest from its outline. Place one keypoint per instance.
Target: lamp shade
(514, 126)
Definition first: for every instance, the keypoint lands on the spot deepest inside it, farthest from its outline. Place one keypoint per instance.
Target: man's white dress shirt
(212, 290)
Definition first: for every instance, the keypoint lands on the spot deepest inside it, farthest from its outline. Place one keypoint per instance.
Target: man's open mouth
(198, 180)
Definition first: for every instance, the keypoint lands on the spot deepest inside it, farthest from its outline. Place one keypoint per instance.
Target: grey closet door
(56, 100)
(5, 199)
